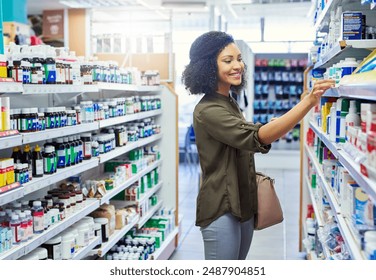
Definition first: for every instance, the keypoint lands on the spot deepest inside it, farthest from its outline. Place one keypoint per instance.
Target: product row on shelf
(44, 64)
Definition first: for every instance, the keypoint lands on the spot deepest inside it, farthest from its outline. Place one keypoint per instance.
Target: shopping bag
(269, 210)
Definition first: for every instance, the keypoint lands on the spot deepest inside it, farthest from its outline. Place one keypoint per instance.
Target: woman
(226, 143)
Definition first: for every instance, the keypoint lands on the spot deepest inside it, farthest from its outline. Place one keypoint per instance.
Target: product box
(352, 25)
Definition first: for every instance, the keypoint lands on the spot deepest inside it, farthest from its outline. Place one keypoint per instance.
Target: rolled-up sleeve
(224, 126)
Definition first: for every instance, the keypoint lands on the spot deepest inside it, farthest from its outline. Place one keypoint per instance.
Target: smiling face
(230, 68)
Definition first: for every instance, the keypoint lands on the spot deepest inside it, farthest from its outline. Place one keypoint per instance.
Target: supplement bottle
(60, 149)
(49, 160)
(37, 162)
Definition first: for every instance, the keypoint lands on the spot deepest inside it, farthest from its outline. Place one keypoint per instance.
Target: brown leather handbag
(269, 211)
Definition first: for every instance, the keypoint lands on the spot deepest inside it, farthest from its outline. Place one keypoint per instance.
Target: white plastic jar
(67, 246)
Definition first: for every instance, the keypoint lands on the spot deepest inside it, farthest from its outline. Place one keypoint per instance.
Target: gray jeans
(227, 239)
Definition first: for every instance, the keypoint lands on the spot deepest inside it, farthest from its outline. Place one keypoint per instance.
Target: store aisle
(277, 243)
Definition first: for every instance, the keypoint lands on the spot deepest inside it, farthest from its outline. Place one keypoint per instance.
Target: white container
(67, 246)
(352, 118)
(105, 228)
(42, 253)
(83, 234)
(348, 66)
(90, 222)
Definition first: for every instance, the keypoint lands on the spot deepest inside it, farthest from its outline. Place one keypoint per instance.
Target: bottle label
(39, 167)
(48, 164)
(68, 156)
(26, 76)
(50, 73)
(34, 78)
(16, 238)
(38, 221)
(72, 155)
(61, 158)
(87, 149)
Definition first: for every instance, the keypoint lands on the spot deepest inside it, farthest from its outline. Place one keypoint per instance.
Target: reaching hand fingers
(321, 86)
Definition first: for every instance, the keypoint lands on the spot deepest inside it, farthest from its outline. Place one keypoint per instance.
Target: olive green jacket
(226, 144)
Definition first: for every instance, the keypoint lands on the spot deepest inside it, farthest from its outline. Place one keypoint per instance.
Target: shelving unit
(83, 252)
(350, 87)
(166, 248)
(166, 141)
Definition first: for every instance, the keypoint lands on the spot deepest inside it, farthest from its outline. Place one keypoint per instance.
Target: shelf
(150, 192)
(324, 17)
(61, 174)
(319, 220)
(58, 132)
(358, 49)
(129, 118)
(359, 91)
(332, 92)
(129, 147)
(38, 239)
(45, 89)
(170, 238)
(126, 87)
(149, 214)
(333, 147)
(12, 195)
(365, 183)
(350, 241)
(129, 182)
(327, 189)
(91, 205)
(83, 252)
(114, 238)
(10, 141)
(11, 87)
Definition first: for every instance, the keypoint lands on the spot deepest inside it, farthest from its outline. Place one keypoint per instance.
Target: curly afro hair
(201, 74)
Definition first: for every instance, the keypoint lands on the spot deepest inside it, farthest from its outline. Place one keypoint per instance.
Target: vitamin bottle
(17, 155)
(49, 160)
(67, 151)
(73, 149)
(27, 158)
(15, 225)
(37, 162)
(60, 148)
(37, 213)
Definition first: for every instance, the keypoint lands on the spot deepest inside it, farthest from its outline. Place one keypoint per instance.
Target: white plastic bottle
(352, 118)
(333, 120)
(348, 66)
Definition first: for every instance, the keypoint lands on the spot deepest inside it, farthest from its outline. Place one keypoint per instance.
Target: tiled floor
(276, 243)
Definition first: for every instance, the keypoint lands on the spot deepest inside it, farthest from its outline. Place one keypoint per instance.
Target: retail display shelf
(358, 49)
(129, 182)
(12, 195)
(58, 132)
(319, 220)
(150, 192)
(311, 255)
(369, 186)
(332, 92)
(149, 214)
(129, 147)
(126, 87)
(359, 91)
(10, 87)
(170, 238)
(350, 241)
(25, 248)
(333, 147)
(145, 196)
(106, 198)
(324, 17)
(114, 238)
(91, 205)
(84, 251)
(129, 118)
(327, 189)
(61, 174)
(45, 89)
(16, 252)
(10, 141)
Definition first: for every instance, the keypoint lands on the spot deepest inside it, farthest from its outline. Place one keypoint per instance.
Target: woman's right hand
(319, 89)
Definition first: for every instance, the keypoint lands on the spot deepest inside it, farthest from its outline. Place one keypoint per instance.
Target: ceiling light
(94, 3)
(183, 4)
